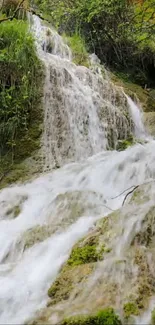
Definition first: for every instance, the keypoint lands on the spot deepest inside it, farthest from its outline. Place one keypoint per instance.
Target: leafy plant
(20, 70)
(121, 33)
(103, 317)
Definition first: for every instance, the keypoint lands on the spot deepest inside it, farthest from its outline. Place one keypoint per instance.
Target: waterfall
(84, 112)
(40, 221)
(136, 115)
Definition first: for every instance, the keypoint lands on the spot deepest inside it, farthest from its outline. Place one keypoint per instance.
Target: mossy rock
(147, 233)
(124, 144)
(132, 89)
(36, 235)
(153, 317)
(66, 281)
(129, 309)
(140, 195)
(85, 254)
(149, 122)
(103, 317)
(150, 104)
(15, 211)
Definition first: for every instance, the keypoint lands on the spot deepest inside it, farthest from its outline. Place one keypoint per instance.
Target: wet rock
(124, 277)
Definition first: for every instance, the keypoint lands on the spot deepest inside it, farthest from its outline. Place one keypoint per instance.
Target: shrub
(103, 317)
(20, 93)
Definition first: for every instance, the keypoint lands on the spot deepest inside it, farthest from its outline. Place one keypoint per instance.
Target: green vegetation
(80, 54)
(87, 252)
(129, 309)
(84, 254)
(121, 33)
(124, 144)
(103, 317)
(77, 268)
(15, 211)
(153, 317)
(20, 95)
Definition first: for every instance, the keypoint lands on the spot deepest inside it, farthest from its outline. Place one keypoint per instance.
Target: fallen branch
(129, 193)
(115, 197)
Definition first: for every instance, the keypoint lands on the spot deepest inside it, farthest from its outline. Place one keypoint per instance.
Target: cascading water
(40, 221)
(136, 115)
(84, 112)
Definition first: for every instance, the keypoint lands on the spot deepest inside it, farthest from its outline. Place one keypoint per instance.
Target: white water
(136, 114)
(84, 112)
(26, 274)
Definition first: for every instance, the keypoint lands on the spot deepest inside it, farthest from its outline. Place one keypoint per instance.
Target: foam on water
(26, 274)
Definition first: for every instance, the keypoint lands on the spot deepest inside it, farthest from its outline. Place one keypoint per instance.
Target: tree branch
(129, 193)
(14, 14)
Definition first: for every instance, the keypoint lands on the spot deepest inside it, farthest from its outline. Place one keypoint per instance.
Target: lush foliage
(103, 317)
(79, 52)
(121, 33)
(20, 77)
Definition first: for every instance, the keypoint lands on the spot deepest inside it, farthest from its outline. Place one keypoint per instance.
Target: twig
(129, 193)
(115, 197)
(108, 208)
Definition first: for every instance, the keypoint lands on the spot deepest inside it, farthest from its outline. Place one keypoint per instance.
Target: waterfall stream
(40, 221)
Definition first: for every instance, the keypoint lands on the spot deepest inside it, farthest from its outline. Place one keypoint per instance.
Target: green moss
(82, 255)
(86, 254)
(129, 309)
(15, 211)
(103, 317)
(153, 317)
(124, 144)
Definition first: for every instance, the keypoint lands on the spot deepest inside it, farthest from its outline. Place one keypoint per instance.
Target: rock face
(149, 121)
(113, 266)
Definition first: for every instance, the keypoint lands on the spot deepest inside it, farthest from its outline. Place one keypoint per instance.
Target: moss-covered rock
(67, 280)
(147, 234)
(85, 254)
(129, 309)
(149, 122)
(35, 235)
(15, 211)
(123, 278)
(153, 317)
(103, 317)
(124, 144)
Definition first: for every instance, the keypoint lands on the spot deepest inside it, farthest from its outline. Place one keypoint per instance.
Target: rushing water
(84, 112)
(40, 221)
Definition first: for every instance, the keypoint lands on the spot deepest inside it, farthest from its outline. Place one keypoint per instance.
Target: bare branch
(115, 197)
(129, 193)
(14, 14)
